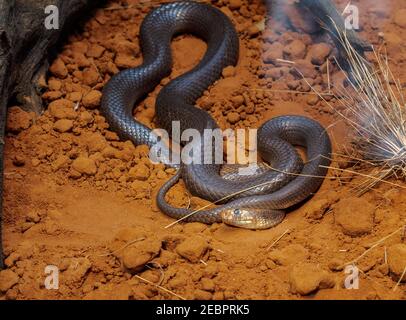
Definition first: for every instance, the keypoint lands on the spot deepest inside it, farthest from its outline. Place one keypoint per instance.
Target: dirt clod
(397, 260)
(192, 249)
(355, 216)
(8, 279)
(306, 278)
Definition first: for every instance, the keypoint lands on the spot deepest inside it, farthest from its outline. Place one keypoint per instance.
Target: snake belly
(265, 194)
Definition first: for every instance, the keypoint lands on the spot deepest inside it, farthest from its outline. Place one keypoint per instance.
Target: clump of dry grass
(374, 106)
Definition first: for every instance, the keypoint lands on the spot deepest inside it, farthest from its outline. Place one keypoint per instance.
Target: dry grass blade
(277, 240)
(374, 106)
(400, 279)
(160, 287)
(376, 244)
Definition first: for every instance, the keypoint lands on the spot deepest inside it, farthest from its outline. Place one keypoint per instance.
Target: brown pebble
(18, 161)
(235, 4)
(296, 50)
(233, 117)
(62, 109)
(18, 120)
(306, 278)
(92, 99)
(355, 216)
(397, 260)
(8, 279)
(90, 77)
(228, 72)
(54, 85)
(63, 125)
(84, 165)
(319, 52)
(192, 249)
(253, 31)
(58, 68)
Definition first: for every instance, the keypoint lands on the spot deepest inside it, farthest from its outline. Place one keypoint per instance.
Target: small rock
(18, 120)
(74, 96)
(35, 162)
(237, 101)
(312, 100)
(95, 142)
(7, 280)
(253, 31)
(235, 4)
(95, 51)
(50, 227)
(289, 255)
(52, 95)
(12, 259)
(84, 165)
(136, 256)
(316, 209)
(77, 270)
(194, 227)
(306, 278)
(228, 72)
(90, 77)
(18, 161)
(32, 217)
(61, 162)
(58, 68)
(397, 260)
(193, 249)
(81, 60)
(233, 117)
(207, 284)
(336, 264)
(62, 109)
(85, 118)
(139, 172)
(92, 99)
(54, 85)
(142, 189)
(273, 53)
(111, 136)
(125, 61)
(63, 125)
(295, 50)
(274, 73)
(293, 85)
(355, 216)
(319, 52)
(304, 68)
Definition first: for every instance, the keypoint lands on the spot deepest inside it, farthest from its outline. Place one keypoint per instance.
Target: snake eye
(237, 212)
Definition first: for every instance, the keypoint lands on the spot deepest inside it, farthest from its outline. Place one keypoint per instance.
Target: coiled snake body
(268, 192)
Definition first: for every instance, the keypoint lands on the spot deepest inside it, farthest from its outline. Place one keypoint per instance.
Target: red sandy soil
(79, 198)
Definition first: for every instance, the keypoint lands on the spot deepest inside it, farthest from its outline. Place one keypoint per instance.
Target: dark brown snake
(268, 192)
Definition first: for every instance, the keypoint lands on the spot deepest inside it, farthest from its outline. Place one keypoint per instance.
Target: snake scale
(268, 192)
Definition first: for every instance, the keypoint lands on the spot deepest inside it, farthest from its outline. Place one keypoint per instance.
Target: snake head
(251, 218)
